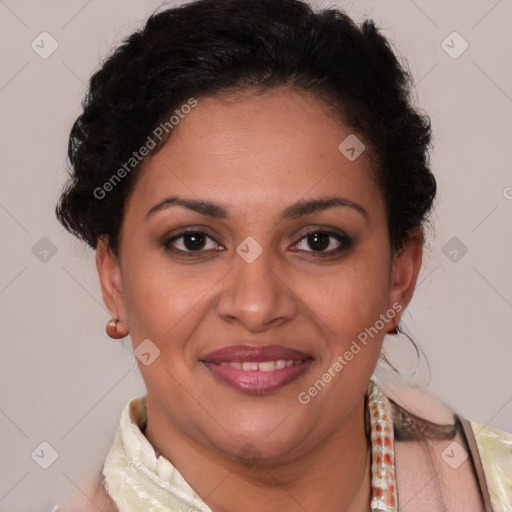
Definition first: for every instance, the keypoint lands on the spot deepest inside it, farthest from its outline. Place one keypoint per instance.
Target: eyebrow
(294, 211)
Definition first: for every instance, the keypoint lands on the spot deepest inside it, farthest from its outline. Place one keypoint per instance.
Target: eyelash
(344, 240)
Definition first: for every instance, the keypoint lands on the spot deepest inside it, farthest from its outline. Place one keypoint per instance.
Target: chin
(262, 435)
(259, 449)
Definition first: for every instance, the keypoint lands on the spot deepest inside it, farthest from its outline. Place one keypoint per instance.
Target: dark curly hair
(213, 46)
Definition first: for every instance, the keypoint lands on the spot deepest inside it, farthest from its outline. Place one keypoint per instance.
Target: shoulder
(99, 501)
(492, 441)
(419, 401)
(495, 451)
(477, 458)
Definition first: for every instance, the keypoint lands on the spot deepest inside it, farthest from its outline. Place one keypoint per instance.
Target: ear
(405, 269)
(111, 281)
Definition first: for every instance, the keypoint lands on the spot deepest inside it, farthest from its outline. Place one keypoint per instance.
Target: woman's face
(249, 285)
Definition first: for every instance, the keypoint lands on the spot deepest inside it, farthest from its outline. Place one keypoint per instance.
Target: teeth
(264, 366)
(234, 364)
(249, 366)
(267, 366)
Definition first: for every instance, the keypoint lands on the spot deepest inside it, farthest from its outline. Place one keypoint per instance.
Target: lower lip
(257, 381)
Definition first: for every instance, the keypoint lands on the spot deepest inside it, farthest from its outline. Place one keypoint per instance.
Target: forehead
(270, 148)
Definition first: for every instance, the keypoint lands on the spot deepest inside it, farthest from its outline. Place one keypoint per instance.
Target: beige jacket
(470, 473)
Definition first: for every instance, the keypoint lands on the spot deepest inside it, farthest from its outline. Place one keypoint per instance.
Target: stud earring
(115, 330)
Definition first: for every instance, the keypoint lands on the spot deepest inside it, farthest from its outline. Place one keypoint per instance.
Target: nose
(256, 296)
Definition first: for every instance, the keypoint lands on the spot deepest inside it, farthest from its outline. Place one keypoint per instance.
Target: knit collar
(134, 475)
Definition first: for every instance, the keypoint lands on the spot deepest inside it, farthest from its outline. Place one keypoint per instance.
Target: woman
(255, 183)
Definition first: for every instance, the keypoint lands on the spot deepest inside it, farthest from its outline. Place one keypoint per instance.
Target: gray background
(63, 381)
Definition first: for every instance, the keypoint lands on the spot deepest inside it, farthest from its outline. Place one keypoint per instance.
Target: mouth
(257, 369)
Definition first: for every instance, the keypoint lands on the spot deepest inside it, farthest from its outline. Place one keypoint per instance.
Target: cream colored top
(439, 478)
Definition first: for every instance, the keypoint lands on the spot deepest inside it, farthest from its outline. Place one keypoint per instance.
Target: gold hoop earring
(115, 330)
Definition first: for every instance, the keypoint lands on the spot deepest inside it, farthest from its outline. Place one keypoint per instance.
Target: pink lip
(256, 381)
(244, 353)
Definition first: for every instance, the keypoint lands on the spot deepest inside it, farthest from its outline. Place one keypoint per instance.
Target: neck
(334, 475)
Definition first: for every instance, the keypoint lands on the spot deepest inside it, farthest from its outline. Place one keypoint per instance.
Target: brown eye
(320, 241)
(194, 241)
(191, 241)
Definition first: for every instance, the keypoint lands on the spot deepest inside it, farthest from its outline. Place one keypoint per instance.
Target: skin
(255, 154)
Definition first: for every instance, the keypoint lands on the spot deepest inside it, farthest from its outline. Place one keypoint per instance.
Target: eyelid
(182, 233)
(340, 236)
(344, 240)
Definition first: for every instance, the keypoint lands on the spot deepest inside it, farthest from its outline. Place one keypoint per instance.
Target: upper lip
(258, 354)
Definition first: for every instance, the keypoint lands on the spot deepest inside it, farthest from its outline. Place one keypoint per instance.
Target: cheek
(348, 305)
(350, 298)
(160, 300)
